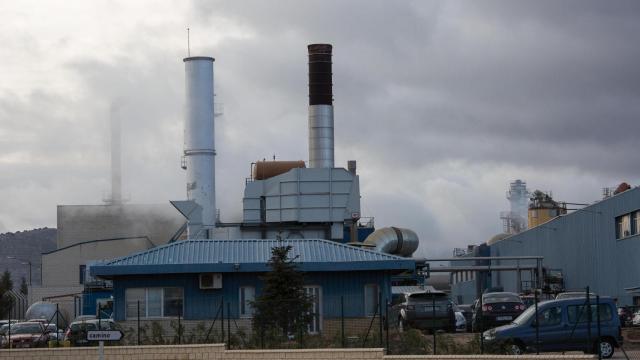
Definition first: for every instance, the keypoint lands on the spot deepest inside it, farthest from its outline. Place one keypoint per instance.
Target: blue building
(192, 278)
(596, 246)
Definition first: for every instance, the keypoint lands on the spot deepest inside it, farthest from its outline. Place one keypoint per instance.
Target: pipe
(199, 143)
(393, 240)
(321, 143)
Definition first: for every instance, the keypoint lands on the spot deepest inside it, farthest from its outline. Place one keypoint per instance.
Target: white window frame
(240, 302)
(365, 303)
(319, 302)
(146, 303)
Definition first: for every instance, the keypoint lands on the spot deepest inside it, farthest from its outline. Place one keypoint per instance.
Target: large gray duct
(393, 240)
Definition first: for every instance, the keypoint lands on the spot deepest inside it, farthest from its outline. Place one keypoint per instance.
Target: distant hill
(25, 245)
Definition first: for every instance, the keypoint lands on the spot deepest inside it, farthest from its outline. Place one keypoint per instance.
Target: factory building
(195, 276)
(595, 246)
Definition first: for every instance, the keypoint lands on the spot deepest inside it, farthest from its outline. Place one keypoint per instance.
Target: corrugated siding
(584, 246)
(203, 304)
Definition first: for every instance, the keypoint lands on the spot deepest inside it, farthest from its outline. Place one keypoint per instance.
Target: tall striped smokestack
(320, 107)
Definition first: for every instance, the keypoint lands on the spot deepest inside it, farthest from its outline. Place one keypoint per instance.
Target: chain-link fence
(583, 324)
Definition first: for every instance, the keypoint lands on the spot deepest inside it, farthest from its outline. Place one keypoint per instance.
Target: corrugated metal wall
(583, 245)
(203, 304)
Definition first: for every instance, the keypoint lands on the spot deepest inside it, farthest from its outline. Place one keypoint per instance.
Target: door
(315, 293)
(551, 329)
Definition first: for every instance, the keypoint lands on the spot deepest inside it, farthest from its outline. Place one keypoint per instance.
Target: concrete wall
(216, 351)
(80, 223)
(61, 268)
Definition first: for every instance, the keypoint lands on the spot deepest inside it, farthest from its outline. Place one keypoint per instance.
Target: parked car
(416, 310)
(461, 322)
(575, 294)
(495, 309)
(635, 321)
(626, 316)
(467, 311)
(76, 333)
(562, 326)
(26, 335)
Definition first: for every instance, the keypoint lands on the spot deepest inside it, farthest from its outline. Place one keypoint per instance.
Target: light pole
(24, 262)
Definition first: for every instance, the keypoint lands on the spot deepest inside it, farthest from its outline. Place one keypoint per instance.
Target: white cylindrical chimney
(199, 149)
(321, 150)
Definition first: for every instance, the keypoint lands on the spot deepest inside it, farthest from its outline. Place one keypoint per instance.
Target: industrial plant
(161, 261)
(112, 256)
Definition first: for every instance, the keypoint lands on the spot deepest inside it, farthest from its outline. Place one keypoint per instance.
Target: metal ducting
(267, 169)
(393, 240)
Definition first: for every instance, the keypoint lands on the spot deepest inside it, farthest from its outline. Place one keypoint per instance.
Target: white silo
(199, 149)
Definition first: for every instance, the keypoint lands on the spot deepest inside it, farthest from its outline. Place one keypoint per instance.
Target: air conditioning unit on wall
(211, 281)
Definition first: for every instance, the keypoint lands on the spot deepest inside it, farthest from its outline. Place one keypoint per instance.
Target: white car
(461, 322)
(636, 318)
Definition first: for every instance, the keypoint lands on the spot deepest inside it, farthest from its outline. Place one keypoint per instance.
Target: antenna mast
(188, 44)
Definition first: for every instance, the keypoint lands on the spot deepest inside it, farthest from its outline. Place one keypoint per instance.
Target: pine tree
(24, 289)
(6, 301)
(283, 305)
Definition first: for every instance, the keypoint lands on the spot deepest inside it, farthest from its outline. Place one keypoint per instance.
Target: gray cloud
(441, 103)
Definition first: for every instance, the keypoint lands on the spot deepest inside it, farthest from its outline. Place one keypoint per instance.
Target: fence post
(433, 319)
(179, 330)
(9, 331)
(342, 320)
(480, 325)
(229, 325)
(57, 324)
(386, 323)
(589, 319)
(380, 317)
(138, 322)
(598, 319)
(536, 318)
(222, 317)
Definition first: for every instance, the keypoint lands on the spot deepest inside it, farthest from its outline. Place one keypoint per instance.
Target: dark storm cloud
(442, 104)
(501, 81)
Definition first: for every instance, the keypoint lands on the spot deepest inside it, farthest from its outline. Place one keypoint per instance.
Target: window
(551, 316)
(247, 295)
(173, 302)
(82, 269)
(154, 302)
(315, 293)
(628, 225)
(578, 312)
(371, 299)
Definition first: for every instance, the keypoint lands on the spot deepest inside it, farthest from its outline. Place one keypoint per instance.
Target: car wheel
(515, 349)
(606, 348)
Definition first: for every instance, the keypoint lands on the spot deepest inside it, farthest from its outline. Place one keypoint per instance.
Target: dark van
(562, 326)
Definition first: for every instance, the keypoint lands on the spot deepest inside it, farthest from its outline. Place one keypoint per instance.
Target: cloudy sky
(441, 103)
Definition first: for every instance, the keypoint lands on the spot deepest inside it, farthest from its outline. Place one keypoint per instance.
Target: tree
(283, 305)
(24, 289)
(6, 301)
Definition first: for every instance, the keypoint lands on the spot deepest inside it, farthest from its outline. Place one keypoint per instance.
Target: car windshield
(4, 329)
(86, 326)
(572, 295)
(26, 328)
(423, 297)
(500, 298)
(525, 316)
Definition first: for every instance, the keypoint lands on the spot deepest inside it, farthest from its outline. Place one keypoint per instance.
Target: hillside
(25, 245)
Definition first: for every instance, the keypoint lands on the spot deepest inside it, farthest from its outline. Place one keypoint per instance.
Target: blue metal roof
(242, 255)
